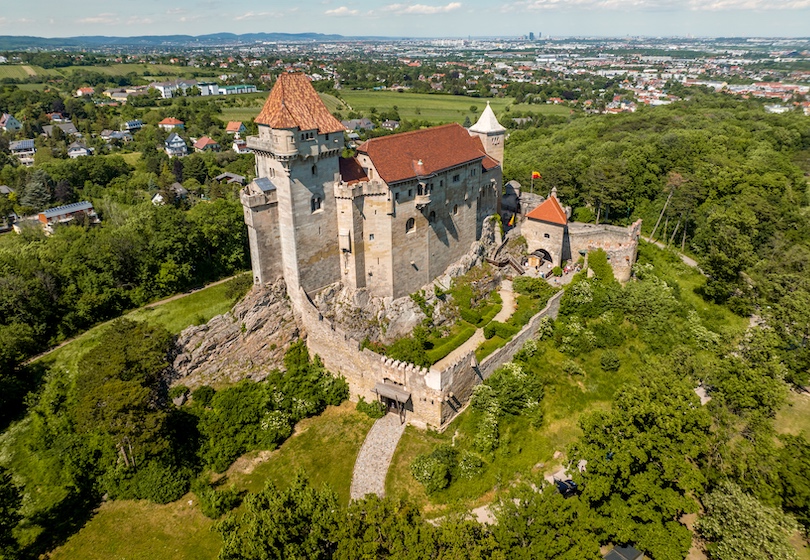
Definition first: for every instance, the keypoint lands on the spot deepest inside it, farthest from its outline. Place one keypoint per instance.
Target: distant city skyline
(424, 18)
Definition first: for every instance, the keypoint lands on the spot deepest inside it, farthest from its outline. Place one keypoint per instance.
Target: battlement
(357, 190)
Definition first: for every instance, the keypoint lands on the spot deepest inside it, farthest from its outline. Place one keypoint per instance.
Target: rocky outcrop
(248, 342)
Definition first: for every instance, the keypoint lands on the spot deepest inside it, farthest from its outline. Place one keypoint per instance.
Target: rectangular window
(371, 237)
(456, 178)
(396, 196)
(410, 192)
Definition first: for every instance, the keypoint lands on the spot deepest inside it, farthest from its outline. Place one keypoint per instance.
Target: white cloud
(256, 15)
(103, 19)
(421, 9)
(342, 11)
(655, 5)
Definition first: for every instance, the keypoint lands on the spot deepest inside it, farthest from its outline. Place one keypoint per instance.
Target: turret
(491, 133)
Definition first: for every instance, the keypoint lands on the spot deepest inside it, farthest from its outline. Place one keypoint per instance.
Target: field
(794, 417)
(141, 530)
(435, 109)
(19, 72)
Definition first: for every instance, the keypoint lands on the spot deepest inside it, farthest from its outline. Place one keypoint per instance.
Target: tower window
(409, 225)
(546, 236)
(371, 237)
(456, 178)
(410, 193)
(307, 135)
(316, 203)
(314, 169)
(455, 209)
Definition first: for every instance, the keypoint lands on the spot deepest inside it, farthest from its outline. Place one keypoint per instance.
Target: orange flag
(536, 175)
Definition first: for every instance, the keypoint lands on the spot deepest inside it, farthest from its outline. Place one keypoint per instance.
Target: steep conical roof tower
(491, 133)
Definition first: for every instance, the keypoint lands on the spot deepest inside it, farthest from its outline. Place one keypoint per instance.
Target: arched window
(316, 203)
(409, 225)
(455, 209)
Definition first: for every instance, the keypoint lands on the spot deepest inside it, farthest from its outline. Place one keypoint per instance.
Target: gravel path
(375, 457)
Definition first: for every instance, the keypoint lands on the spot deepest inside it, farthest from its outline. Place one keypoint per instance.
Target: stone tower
(290, 208)
(491, 133)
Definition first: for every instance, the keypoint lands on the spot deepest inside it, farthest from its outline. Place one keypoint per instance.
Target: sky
(422, 18)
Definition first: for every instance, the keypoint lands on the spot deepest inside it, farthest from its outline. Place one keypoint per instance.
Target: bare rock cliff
(246, 343)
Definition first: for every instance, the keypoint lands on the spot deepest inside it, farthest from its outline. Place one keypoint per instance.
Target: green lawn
(194, 309)
(794, 417)
(19, 72)
(324, 446)
(156, 70)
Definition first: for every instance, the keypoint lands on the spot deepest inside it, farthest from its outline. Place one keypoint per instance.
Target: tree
(642, 473)
(740, 527)
(794, 477)
(299, 522)
(10, 501)
(543, 525)
(37, 193)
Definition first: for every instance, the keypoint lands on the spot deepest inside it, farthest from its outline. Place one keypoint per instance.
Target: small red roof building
(549, 211)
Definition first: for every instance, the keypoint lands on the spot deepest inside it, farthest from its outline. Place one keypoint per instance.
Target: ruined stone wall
(620, 244)
(261, 217)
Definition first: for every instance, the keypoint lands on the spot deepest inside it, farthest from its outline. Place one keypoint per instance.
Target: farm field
(436, 109)
(21, 72)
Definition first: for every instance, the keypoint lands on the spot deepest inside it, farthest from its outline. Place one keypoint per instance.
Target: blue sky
(421, 18)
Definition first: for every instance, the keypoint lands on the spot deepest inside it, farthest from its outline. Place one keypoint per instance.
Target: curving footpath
(375, 456)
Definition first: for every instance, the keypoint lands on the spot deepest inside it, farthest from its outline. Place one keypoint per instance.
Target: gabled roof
(174, 138)
(549, 211)
(21, 145)
(422, 152)
(233, 126)
(294, 103)
(171, 120)
(487, 122)
(205, 141)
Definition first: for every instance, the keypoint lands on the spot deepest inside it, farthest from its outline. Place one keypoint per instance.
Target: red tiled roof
(203, 142)
(549, 211)
(294, 103)
(233, 126)
(351, 171)
(171, 120)
(398, 157)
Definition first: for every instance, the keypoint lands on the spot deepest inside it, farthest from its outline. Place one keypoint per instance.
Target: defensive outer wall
(436, 396)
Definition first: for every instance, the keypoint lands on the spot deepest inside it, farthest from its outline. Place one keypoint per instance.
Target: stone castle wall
(437, 396)
(620, 244)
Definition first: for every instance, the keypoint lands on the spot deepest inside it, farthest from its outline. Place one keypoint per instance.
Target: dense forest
(714, 177)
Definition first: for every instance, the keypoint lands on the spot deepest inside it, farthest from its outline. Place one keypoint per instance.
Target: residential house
(23, 150)
(3, 60)
(230, 178)
(176, 191)
(57, 117)
(83, 91)
(240, 146)
(65, 214)
(9, 124)
(236, 128)
(390, 125)
(175, 146)
(624, 553)
(170, 123)
(358, 124)
(206, 144)
(67, 127)
(132, 126)
(77, 149)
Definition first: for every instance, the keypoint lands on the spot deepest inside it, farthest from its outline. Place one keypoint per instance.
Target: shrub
(546, 328)
(437, 353)
(557, 271)
(236, 288)
(434, 470)
(177, 391)
(470, 465)
(470, 315)
(598, 263)
(496, 328)
(203, 395)
(214, 503)
(373, 409)
(570, 367)
(157, 482)
(609, 361)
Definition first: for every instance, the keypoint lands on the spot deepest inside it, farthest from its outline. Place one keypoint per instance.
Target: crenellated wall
(437, 396)
(620, 244)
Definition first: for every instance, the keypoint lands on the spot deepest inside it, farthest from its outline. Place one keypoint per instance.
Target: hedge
(489, 346)
(438, 352)
(502, 330)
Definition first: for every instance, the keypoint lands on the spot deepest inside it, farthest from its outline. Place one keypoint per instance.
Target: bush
(545, 329)
(374, 409)
(236, 288)
(203, 395)
(503, 330)
(157, 482)
(178, 391)
(470, 315)
(570, 367)
(609, 361)
(598, 263)
(434, 470)
(214, 503)
(437, 353)
(470, 465)
(557, 271)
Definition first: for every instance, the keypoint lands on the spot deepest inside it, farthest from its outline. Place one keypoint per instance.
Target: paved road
(371, 466)
(153, 304)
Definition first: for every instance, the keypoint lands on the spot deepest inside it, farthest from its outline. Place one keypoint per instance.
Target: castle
(389, 220)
